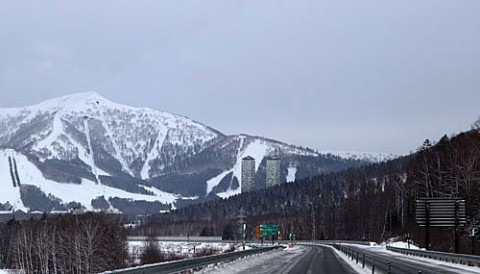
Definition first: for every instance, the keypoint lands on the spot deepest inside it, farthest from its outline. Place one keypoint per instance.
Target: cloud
(293, 69)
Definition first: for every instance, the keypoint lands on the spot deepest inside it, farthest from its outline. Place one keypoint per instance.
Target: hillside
(373, 202)
(85, 151)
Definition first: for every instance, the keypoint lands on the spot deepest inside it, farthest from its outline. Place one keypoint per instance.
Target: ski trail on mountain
(239, 159)
(90, 154)
(154, 152)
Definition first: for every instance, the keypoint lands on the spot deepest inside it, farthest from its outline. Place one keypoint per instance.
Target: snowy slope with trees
(26, 177)
(373, 157)
(89, 152)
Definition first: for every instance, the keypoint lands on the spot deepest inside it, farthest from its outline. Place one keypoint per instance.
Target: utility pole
(242, 225)
(474, 231)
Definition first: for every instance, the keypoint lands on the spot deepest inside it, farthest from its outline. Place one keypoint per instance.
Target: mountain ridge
(85, 139)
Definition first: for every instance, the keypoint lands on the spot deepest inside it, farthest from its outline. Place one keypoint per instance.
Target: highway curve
(303, 259)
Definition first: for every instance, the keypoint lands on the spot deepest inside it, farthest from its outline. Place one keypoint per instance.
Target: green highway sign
(268, 230)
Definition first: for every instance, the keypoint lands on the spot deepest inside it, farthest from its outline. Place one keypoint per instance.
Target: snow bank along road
(403, 264)
(300, 259)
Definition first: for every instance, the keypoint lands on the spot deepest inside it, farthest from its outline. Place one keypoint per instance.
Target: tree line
(373, 202)
(86, 243)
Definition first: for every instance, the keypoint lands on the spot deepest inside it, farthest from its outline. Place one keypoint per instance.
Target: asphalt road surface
(301, 259)
(400, 264)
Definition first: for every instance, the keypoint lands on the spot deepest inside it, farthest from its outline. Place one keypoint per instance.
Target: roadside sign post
(241, 221)
(474, 231)
(244, 235)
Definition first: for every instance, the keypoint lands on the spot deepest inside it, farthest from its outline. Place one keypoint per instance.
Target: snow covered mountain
(83, 150)
(372, 157)
(89, 128)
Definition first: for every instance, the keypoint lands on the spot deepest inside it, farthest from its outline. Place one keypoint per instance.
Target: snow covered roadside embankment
(357, 267)
(381, 250)
(188, 260)
(177, 249)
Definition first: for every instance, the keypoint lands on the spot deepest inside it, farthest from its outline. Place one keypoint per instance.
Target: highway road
(300, 259)
(321, 259)
(401, 264)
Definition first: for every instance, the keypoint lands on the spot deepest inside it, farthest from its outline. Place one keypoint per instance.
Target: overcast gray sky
(378, 76)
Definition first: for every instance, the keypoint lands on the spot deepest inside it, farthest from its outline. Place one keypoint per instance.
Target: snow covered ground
(83, 193)
(187, 249)
(382, 248)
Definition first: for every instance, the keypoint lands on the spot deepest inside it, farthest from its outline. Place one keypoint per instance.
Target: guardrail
(203, 239)
(442, 256)
(386, 266)
(217, 239)
(360, 257)
(332, 242)
(183, 265)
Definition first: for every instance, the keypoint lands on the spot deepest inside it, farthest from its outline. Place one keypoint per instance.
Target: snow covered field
(82, 193)
(186, 249)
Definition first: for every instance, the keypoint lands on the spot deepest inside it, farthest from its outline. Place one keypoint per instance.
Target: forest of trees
(86, 243)
(372, 202)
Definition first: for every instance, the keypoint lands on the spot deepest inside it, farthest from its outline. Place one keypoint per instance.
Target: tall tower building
(248, 174)
(273, 172)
